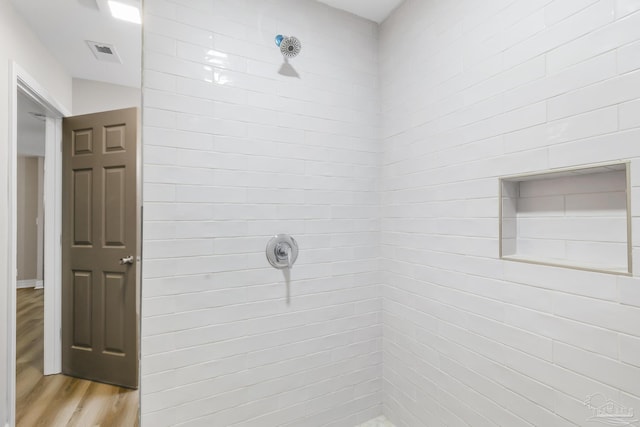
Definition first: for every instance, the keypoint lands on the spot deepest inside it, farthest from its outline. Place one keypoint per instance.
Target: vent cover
(104, 52)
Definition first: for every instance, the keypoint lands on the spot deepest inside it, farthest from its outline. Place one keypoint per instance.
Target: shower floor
(377, 422)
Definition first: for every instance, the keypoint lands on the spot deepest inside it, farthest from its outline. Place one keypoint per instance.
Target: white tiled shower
(235, 153)
(382, 158)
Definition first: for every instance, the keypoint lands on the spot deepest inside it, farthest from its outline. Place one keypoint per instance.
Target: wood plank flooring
(59, 400)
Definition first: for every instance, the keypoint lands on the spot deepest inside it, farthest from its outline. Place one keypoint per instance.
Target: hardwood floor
(58, 400)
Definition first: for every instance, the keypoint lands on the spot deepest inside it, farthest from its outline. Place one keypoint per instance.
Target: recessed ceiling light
(125, 12)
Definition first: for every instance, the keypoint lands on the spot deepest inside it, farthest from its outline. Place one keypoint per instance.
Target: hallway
(58, 400)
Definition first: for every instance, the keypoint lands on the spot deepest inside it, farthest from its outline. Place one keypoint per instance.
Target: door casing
(21, 80)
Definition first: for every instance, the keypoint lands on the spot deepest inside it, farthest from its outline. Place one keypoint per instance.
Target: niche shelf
(576, 218)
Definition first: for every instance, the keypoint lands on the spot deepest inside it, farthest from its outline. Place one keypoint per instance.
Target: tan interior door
(100, 243)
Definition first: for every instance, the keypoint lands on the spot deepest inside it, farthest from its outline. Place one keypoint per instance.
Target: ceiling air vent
(104, 52)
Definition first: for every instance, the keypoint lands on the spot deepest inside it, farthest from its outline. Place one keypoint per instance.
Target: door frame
(25, 83)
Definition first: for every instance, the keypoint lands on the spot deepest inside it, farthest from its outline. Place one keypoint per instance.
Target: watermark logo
(607, 411)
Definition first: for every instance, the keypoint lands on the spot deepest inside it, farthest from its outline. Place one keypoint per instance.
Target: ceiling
(86, 20)
(31, 125)
(90, 20)
(374, 10)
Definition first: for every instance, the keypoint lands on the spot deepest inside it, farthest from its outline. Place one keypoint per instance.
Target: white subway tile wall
(239, 146)
(235, 152)
(472, 91)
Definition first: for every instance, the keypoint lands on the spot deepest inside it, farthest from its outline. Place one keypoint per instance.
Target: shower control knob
(282, 251)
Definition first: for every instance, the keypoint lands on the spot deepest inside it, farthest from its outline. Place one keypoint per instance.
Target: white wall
(90, 96)
(471, 91)
(234, 153)
(18, 43)
(31, 130)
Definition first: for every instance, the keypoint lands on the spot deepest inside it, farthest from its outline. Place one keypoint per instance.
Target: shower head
(290, 46)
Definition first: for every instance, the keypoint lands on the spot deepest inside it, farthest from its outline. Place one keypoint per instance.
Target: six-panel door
(100, 234)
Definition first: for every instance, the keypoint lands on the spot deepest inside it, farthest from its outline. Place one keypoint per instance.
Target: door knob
(126, 260)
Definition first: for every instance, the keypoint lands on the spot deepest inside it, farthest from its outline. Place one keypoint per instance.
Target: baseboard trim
(39, 284)
(31, 283)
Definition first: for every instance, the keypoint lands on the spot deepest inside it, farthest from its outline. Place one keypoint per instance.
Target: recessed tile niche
(576, 218)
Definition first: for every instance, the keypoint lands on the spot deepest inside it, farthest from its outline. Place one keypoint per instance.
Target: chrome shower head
(290, 46)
